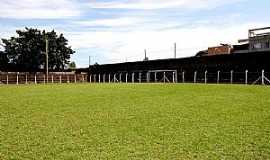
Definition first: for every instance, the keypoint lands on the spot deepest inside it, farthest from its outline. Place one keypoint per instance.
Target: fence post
(17, 78)
(126, 77)
(147, 77)
(68, 79)
(35, 78)
(218, 74)
(52, 78)
(205, 77)
(246, 77)
(183, 77)
(120, 78)
(263, 77)
(104, 78)
(173, 77)
(231, 76)
(155, 77)
(7, 77)
(114, 78)
(176, 76)
(98, 78)
(164, 77)
(109, 78)
(26, 81)
(132, 77)
(140, 77)
(195, 76)
(75, 78)
(83, 78)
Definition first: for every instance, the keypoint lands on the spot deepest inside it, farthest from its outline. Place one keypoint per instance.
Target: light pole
(47, 59)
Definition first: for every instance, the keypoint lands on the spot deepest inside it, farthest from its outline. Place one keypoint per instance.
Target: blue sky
(120, 30)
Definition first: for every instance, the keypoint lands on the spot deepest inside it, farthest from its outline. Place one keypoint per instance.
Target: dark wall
(253, 62)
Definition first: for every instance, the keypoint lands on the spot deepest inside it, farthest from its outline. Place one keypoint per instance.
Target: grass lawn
(134, 121)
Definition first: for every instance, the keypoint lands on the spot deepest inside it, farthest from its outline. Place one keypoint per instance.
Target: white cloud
(38, 9)
(161, 4)
(116, 22)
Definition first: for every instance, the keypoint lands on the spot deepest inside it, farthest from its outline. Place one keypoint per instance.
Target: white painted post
(218, 76)
(98, 78)
(173, 77)
(26, 80)
(176, 76)
(183, 77)
(109, 78)
(164, 77)
(195, 76)
(17, 78)
(126, 77)
(205, 77)
(52, 78)
(140, 77)
(7, 77)
(35, 78)
(114, 78)
(133, 77)
(246, 77)
(231, 76)
(75, 78)
(263, 77)
(155, 77)
(120, 78)
(147, 77)
(90, 78)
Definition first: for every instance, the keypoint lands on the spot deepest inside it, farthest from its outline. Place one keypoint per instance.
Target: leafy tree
(72, 65)
(3, 60)
(27, 51)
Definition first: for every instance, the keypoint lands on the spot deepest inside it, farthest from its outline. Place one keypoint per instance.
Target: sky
(114, 31)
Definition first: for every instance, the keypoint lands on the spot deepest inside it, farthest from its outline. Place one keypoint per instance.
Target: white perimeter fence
(40, 78)
(172, 76)
(153, 76)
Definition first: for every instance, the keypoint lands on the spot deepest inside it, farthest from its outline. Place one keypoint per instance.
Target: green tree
(3, 60)
(27, 51)
(72, 65)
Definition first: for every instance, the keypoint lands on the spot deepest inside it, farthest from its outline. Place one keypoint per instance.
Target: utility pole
(145, 54)
(47, 59)
(145, 57)
(174, 50)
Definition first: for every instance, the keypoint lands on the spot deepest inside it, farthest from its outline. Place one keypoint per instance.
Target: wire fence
(153, 76)
(174, 76)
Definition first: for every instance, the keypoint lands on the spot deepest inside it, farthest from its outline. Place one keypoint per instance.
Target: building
(223, 49)
(258, 40)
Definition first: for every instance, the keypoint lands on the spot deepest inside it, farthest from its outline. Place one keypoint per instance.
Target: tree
(27, 51)
(72, 65)
(3, 60)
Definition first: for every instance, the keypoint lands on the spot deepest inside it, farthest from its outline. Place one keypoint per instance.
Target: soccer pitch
(134, 121)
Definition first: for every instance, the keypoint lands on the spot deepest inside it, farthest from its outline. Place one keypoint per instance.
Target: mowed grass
(134, 121)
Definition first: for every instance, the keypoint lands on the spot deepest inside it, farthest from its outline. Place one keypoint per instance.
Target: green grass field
(134, 121)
